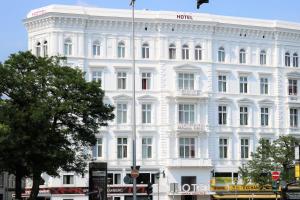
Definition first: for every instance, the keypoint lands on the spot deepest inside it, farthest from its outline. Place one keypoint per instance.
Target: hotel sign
(189, 189)
(185, 17)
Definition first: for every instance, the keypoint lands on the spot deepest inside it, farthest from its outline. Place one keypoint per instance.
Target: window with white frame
(121, 113)
(68, 46)
(113, 178)
(145, 51)
(264, 116)
(146, 113)
(221, 54)
(38, 49)
(172, 51)
(222, 83)
(187, 147)
(243, 84)
(222, 112)
(243, 116)
(295, 60)
(97, 76)
(198, 52)
(264, 85)
(242, 56)
(99, 147)
(185, 52)
(263, 57)
(121, 50)
(186, 81)
(293, 117)
(68, 179)
(293, 87)
(287, 59)
(121, 80)
(96, 48)
(244, 148)
(223, 148)
(45, 48)
(186, 113)
(146, 80)
(146, 147)
(122, 147)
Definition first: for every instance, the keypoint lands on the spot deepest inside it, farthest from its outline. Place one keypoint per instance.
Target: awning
(246, 196)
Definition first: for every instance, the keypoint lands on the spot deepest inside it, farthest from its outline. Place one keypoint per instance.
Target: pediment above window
(224, 100)
(122, 97)
(148, 98)
(245, 101)
(187, 67)
(266, 102)
(295, 75)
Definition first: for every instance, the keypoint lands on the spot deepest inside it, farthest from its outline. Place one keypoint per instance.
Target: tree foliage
(50, 115)
(268, 157)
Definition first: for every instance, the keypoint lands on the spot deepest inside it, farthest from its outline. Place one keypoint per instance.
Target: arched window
(145, 50)
(287, 59)
(45, 48)
(221, 54)
(68, 47)
(38, 49)
(263, 57)
(295, 60)
(172, 51)
(242, 56)
(121, 50)
(96, 48)
(185, 52)
(198, 52)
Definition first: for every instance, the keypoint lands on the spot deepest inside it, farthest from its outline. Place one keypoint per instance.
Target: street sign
(134, 173)
(275, 175)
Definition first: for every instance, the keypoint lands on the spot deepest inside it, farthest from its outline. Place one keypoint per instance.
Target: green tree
(268, 157)
(52, 115)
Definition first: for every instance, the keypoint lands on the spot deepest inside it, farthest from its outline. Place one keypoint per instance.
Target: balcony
(190, 127)
(190, 93)
(189, 162)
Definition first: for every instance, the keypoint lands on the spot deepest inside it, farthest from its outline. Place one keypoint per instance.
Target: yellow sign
(297, 170)
(240, 188)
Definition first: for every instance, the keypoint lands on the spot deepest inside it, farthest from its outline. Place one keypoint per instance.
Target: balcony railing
(189, 162)
(190, 127)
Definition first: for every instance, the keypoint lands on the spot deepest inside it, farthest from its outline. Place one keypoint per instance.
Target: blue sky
(13, 36)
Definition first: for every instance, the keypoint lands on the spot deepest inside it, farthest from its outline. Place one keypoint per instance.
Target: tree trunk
(18, 184)
(36, 180)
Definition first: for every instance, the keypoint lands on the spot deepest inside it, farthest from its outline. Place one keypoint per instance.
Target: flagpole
(133, 102)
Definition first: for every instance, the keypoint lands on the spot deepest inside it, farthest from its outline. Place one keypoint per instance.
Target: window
(172, 51)
(146, 113)
(243, 84)
(244, 148)
(99, 147)
(121, 50)
(264, 116)
(45, 48)
(223, 148)
(198, 52)
(147, 147)
(146, 80)
(68, 47)
(121, 113)
(244, 116)
(96, 48)
(293, 117)
(186, 113)
(187, 147)
(222, 83)
(185, 52)
(122, 147)
(145, 51)
(121, 76)
(185, 81)
(97, 76)
(242, 56)
(264, 85)
(222, 110)
(293, 87)
(113, 178)
(38, 49)
(287, 59)
(221, 54)
(263, 57)
(68, 179)
(295, 60)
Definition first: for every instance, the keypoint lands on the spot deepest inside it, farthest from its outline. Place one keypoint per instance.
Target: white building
(208, 88)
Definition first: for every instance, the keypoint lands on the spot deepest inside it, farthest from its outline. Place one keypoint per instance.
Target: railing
(191, 127)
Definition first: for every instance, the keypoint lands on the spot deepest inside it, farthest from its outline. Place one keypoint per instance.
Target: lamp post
(133, 103)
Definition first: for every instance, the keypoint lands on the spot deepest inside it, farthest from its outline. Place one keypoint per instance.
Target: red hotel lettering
(184, 17)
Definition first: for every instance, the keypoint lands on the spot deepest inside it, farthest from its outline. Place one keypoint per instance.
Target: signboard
(189, 189)
(240, 188)
(275, 175)
(134, 173)
(97, 181)
(186, 17)
(125, 190)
